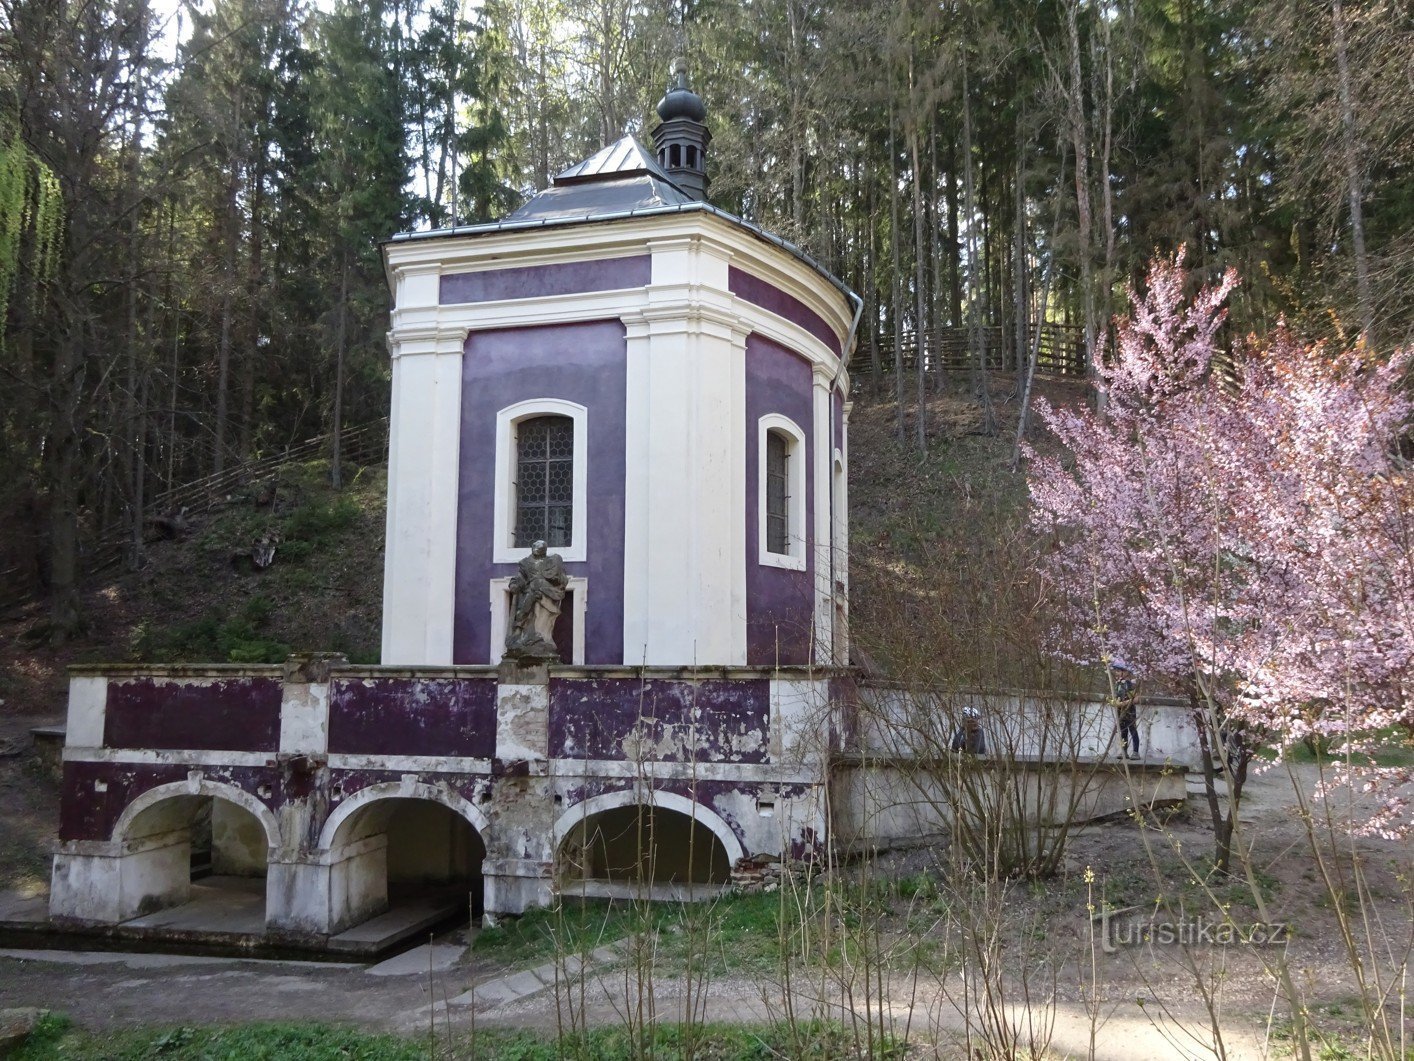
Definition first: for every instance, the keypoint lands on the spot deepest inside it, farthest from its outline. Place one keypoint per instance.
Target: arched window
(781, 484)
(544, 481)
(675, 153)
(691, 157)
(777, 492)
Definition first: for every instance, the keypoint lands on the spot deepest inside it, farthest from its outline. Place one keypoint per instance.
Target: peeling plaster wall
(414, 716)
(660, 720)
(515, 756)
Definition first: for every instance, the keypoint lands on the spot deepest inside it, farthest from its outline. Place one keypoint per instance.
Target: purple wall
(769, 297)
(592, 718)
(87, 814)
(234, 714)
(532, 281)
(583, 363)
(414, 716)
(779, 602)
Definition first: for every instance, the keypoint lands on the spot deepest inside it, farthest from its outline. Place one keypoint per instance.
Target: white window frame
(500, 603)
(503, 549)
(794, 559)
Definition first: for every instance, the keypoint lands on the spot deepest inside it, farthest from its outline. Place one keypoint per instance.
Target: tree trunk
(1020, 311)
(1080, 145)
(980, 382)
(223, 357)
(919, 287)
(64, 618)
(954, 243)
(336, 476)
(897, 278)
(1350, 148)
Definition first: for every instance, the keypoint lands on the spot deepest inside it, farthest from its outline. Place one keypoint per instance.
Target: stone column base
(513, 886)
(105, 882)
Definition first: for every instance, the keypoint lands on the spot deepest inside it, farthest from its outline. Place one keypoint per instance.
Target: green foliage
(234, 639)
(55, 1037)
(31, 217)
(317, 522)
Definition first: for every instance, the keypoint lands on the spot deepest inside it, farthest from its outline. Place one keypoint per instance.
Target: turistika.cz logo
(1121, 928)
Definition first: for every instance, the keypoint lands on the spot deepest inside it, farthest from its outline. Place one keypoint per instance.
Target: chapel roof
(616, 179)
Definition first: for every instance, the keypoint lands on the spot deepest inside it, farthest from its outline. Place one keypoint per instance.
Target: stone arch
(204, 787)
(400, 790)
(607, 801)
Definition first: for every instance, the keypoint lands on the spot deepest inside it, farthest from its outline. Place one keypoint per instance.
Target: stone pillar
(517, 869)
(106, 882)
(301, 895)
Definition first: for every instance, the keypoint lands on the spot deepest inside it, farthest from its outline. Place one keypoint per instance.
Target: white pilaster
(423, 477)
(684, 535)
(823, 460)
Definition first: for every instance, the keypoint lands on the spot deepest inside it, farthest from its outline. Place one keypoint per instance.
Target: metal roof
(619, 178)
(621, 158)
(621, 181)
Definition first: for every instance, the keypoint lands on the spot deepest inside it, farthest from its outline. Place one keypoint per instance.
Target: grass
(56, 1037)
(754, 933)
(743, 929)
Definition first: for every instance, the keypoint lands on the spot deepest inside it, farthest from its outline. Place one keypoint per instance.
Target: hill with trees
(190, 205)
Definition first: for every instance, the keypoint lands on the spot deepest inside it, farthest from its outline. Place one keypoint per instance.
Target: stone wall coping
(377, 671)
(1094, 696)
(870, 760)
(176, 670)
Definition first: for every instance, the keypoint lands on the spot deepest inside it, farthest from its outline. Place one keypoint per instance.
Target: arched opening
(200, 863)
(406, 856)
(638, 850)
(675, 155)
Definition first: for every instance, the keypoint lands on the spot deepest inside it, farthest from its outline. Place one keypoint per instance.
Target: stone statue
(537, 590)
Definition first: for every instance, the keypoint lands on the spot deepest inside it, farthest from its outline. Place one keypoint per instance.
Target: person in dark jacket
(969, 737)
(1126, 702)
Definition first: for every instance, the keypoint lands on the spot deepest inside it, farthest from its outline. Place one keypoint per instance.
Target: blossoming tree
(1242, 527)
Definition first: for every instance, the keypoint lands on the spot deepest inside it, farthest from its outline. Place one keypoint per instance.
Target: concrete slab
(404, 921)
(218, 904)
(152, 961)
(23, 909)
(525, 983)
(226, 917)
(430, 957)
(486, 996)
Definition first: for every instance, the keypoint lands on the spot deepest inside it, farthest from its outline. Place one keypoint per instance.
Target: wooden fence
(1061, 351)
(367, 444)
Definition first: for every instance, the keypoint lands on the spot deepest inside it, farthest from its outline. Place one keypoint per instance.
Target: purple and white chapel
(655, 390)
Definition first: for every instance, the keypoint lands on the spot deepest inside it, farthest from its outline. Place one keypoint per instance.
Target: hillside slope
(197, 599)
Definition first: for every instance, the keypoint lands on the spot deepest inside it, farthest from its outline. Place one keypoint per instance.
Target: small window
(544, 481)
(692, 158)
(675, 153)
(777, 493)
(782, 523)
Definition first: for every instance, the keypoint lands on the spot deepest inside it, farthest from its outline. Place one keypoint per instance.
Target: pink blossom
(1245, 522)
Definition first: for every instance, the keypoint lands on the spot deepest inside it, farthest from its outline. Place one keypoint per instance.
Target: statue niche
(537, 591)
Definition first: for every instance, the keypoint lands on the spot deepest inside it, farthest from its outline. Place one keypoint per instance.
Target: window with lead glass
(544, 481)
(777, 492)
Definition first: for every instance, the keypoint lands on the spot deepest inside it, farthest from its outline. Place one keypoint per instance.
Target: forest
(192, 199)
